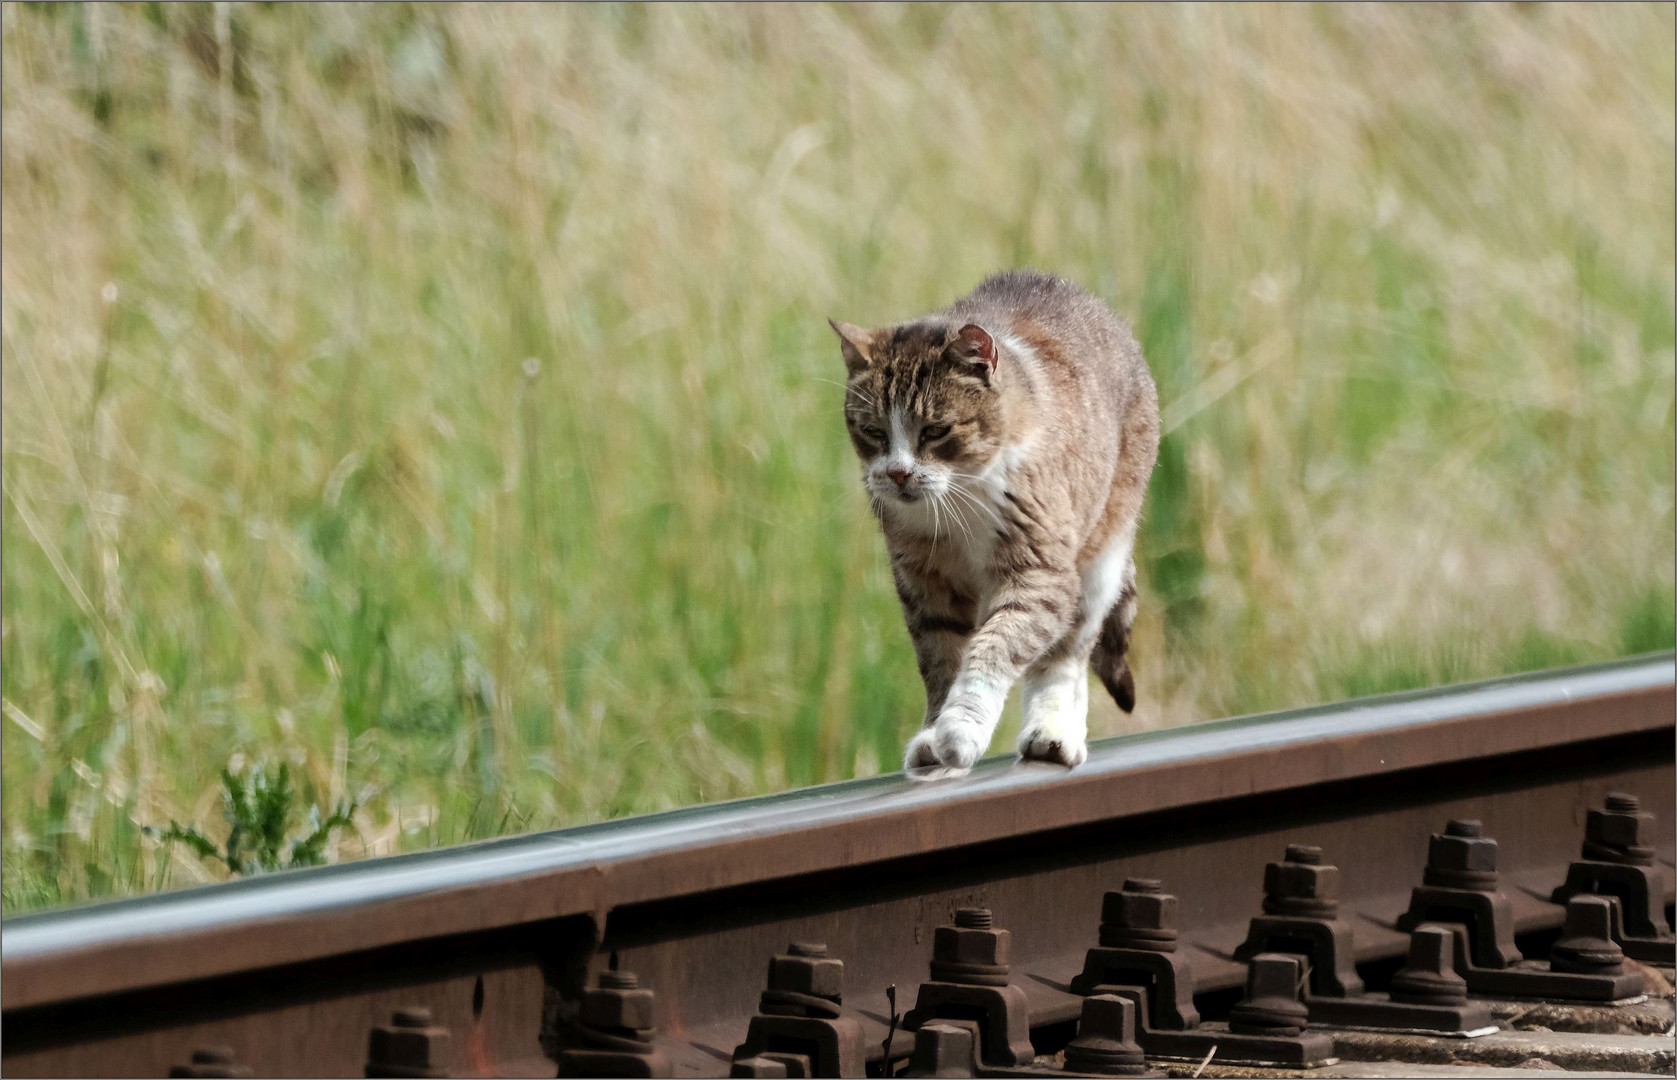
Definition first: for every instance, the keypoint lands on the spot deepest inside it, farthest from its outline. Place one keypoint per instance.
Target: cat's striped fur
(1006, 444)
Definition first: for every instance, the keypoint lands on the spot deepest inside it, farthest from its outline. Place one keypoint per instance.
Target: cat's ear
(974, 348)
(855, 342)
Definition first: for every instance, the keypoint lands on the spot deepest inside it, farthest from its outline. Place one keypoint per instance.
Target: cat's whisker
(835, 382)
(968, 477)
(847, 388)
(979, 482)
(846, 491)
(958, 518)
(982, 526)
(956, 513)
(969, 494)
(979, 504)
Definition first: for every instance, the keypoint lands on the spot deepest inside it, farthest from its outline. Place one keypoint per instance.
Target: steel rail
(693, 898)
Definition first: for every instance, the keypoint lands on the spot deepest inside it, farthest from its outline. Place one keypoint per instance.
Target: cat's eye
(875, 434)
(933, 434)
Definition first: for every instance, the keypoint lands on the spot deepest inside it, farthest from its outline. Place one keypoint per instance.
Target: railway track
(498, 958)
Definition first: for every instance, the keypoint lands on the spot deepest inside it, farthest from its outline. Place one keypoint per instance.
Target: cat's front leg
(939, 620)
(1024, 620)
(938, 643)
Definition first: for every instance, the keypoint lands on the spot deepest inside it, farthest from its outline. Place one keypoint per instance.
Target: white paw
(920, 761)
(920, 754)
(958, 738)
(1041, 742)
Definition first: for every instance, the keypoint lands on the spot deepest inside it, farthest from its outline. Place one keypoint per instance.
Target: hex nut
(1615, 829)
(762, 1066)
(1470, 853)
(611, 1008)
(960, 945)
(944, 1049)
(1139, 911)
(1108, 1015)
(1272, 975)
(1301, 880)
(818, 976)
(211, 1061)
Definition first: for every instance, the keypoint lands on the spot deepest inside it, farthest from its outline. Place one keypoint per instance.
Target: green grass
(439, 400)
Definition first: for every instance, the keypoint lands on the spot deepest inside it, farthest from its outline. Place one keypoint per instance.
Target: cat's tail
(1111, 658)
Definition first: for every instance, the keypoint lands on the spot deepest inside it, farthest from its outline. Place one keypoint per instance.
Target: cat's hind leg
(1056, 692)
(1056, 707)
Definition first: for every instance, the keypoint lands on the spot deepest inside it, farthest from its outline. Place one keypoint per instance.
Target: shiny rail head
(582, 870)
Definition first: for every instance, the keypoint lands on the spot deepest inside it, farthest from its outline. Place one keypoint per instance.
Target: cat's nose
(898, 476)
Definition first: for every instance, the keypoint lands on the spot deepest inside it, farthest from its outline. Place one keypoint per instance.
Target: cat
(1006, 444)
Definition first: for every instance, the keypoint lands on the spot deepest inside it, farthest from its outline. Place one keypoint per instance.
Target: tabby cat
(1006, 444)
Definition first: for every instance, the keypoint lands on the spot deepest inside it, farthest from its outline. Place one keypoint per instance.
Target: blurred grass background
(439, 399)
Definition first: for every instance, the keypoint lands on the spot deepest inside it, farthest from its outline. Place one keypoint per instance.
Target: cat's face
(922, 409)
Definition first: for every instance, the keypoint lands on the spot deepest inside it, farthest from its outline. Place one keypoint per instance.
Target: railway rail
(1321, 849)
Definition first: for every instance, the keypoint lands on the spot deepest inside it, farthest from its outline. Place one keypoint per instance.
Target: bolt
(761, 1066)
(1271, 1005)
(944, 1049)
(410, 1045)
(806, 969)
(210, 1061)
(972, 951)
(1429, 977)
(1616, 834)
(1105, 1043)
(1308, 854)
(1139, 916)
(1462, 857)
(1301, 884)
(619, 1003)
(1586, 944)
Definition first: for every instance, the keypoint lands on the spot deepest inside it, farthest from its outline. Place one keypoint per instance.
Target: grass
(438, 400)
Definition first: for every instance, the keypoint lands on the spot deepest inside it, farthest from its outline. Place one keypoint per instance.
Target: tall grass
(439, 399)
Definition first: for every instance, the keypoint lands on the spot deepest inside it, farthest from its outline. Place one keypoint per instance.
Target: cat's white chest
(972, 540)
(964, 522)
(979, 501)
(960, 532)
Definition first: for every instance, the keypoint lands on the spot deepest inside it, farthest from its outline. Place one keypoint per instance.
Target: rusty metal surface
(297, 916)
(497, 939)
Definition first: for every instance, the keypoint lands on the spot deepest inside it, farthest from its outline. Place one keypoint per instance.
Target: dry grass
(440, 399)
